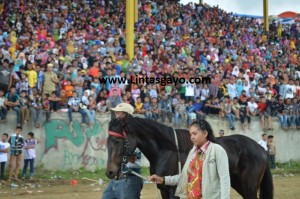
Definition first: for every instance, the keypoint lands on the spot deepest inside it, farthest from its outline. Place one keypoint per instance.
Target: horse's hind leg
(168, 192)
(236, 184)
(249, 194)
(249, 188)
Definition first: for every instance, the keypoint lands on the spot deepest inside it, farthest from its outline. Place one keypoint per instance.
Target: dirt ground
(285, 187)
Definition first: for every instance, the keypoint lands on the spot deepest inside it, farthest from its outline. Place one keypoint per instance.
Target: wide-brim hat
(124, 107)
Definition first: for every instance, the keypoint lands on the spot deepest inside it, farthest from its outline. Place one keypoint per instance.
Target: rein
(124, 136)
(178, 153)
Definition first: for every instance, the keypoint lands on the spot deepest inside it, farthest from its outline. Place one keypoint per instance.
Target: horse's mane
(163, 134)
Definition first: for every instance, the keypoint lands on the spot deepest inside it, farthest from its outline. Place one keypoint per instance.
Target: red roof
(289, 14)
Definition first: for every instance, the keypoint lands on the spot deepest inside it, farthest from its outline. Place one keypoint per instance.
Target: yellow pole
(130, 28)
(136, 11)
(266, 15)
(201, 2)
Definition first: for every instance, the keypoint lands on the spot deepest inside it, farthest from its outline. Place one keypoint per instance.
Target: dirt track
(285, 188)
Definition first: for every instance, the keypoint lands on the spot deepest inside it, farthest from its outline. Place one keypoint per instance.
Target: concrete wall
(66, 147)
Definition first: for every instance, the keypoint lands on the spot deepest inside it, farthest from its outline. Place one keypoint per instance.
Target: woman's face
(198, 137)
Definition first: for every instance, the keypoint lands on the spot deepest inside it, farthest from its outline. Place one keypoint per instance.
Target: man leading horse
(127, 185)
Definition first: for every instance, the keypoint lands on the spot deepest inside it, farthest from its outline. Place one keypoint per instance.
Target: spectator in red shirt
(262, 107)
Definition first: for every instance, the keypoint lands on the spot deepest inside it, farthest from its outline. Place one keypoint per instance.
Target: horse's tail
(266, 186)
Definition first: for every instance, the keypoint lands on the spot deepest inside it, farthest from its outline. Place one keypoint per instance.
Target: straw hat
(124, 107)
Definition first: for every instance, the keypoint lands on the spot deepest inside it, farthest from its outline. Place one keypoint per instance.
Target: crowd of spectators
(55, 54)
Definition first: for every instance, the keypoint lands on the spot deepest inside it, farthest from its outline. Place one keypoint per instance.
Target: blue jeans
(82, 112)
(231, 119)
(283, 120)
(298, 120)
(148, 115)
(288, 118)
(155, 116)
(129, 188)
(90, 114)
(18, 113)
(3, 113)
(293, 120)
(2, 168)
(31, 166)
(184, 118)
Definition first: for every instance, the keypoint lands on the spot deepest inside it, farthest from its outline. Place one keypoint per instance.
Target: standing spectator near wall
(4, 150)
(29, 154)
(264, 142)
(221, 133)
(16, 142)
(271, 151)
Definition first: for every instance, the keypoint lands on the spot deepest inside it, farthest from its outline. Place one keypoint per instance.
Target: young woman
(206, 171)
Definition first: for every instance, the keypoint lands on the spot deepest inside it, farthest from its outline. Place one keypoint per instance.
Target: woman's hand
(157, 179)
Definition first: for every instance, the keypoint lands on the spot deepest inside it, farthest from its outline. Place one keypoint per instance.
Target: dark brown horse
(248, 164)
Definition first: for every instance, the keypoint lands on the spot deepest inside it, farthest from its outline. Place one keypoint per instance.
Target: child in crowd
(69, 88)
(23, 84)
(46, 106)
(139, 106)
(125, 99)
(153, 92)
(181, 111)
(54, 102)
(147, 108)
(96, 84)
(135, 92)
(29, 154)
(16, 142)
(101, 106)
(154, 108)
(63, 103)
(41, 77)
(4, 149)
(32, 77)
(191, 112)
(3, 109)
(24, 103)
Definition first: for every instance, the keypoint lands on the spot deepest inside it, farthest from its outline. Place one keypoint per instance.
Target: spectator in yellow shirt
(31, 75)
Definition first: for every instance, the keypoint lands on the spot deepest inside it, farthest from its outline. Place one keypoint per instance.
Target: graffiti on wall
(89, 138)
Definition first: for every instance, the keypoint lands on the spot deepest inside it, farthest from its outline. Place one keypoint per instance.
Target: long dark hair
(205, 126)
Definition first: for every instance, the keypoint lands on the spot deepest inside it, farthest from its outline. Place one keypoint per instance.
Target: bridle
(126, 152)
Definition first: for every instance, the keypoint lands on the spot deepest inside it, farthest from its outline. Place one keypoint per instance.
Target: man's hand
(157, 179)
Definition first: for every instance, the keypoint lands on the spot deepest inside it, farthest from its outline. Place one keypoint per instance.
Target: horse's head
(120, 144)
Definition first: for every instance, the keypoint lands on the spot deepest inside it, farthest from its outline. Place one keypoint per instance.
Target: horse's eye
(116, 141)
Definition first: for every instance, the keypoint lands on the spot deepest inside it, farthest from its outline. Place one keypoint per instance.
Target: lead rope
(178, 153)
(144, 178)
(179, 165)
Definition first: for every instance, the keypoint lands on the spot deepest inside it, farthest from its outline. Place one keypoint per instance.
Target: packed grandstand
(49, 50)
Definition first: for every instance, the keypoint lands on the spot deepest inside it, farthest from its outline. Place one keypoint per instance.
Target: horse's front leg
(167, 192)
